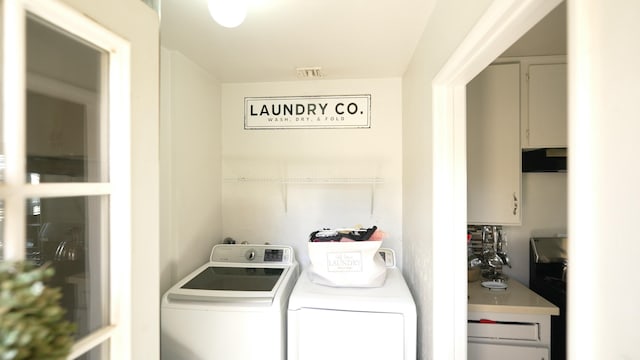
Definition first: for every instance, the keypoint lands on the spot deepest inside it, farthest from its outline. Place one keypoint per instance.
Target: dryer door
(331, 334)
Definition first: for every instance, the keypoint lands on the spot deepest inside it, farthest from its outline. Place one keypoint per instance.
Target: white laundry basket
(347, 264)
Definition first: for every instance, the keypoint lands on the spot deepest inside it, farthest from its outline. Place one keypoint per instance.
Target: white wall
(544, 213)
(548, 37)
(140, 26)
(190, 183)
(604, 197)
(444, 32)
(267, 211)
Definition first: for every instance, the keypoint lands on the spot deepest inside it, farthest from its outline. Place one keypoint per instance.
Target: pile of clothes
(347, 235)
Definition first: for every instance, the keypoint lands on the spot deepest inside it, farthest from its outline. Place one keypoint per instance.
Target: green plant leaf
(32, 324)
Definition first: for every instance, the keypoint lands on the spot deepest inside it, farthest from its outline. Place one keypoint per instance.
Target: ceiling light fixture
(228, 13)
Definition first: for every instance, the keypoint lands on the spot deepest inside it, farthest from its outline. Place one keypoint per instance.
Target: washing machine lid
(245, 273)
(235, 278)
(230, 283)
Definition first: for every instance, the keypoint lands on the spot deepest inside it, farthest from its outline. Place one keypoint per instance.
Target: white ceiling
(347, 38)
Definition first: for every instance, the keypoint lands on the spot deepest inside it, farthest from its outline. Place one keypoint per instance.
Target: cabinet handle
(515, 204)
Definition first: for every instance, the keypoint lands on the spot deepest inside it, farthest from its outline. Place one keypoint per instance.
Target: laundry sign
(344, 261)
(301, 112)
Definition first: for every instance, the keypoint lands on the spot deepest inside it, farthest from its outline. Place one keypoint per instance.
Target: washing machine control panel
(252, 253)
(271, 255)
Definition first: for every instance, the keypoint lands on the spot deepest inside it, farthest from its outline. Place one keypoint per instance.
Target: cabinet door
(483, 351)
(493, 146)
(547, 106)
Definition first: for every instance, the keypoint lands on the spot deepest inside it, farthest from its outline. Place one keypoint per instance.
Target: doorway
(501, 25)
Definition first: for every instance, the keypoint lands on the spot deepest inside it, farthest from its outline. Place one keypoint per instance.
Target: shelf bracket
(285, 195)
(373, 196)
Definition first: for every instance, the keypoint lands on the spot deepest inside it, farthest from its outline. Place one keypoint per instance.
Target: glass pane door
(64, 190)
(66, 143)
(2, 113)
(64, 92)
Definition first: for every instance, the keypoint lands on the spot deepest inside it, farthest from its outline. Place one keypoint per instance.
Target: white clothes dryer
(232, 308)
(340, 323)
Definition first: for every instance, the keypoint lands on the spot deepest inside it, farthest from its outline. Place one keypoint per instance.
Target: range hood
(544, 160)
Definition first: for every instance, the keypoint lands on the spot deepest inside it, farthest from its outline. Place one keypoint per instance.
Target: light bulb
(228, 13)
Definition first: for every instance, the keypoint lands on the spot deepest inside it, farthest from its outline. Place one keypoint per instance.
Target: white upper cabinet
(544, 105)
(514, 104)
(493, 146)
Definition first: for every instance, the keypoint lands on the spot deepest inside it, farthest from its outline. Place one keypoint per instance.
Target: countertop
(515, 299)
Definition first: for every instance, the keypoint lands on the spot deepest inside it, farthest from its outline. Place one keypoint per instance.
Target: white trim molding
(502, 24)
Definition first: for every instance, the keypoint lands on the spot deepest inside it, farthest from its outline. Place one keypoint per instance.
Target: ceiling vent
(309, 72)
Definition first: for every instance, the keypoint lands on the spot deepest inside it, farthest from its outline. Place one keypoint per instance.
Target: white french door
(65, 164)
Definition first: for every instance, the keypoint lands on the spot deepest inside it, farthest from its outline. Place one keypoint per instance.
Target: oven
(548, 266)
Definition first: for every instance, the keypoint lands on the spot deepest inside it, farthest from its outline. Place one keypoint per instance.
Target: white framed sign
(307, 112)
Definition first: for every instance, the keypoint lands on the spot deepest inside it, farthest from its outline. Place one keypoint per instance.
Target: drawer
(487, 329)
(484, 351)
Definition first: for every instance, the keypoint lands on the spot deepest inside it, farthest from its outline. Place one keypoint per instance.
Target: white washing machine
(231, 308)
(352, 323)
